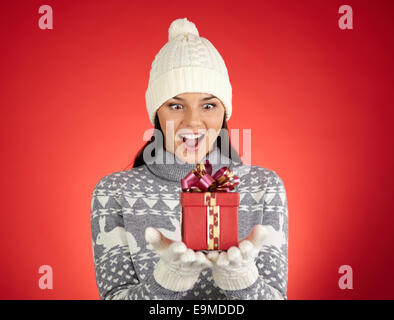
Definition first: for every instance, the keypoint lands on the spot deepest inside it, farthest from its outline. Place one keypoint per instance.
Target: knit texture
(187, 63)
(125, 203)
(238, 280)
(173, 280)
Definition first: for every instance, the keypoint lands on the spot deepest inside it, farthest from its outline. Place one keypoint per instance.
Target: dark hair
(232, 153)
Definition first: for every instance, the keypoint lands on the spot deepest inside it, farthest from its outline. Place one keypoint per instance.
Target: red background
(319, 101)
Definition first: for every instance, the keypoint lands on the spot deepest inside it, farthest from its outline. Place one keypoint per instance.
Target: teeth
(191, 136)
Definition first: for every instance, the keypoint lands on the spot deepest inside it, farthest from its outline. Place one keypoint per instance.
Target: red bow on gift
(201, 180)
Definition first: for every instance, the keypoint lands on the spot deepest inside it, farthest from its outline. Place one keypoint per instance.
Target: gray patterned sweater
(125, 203)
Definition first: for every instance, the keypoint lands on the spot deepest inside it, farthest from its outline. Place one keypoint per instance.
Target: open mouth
(192, 141)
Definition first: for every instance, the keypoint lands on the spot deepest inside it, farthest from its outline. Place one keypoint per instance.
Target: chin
(191, 157)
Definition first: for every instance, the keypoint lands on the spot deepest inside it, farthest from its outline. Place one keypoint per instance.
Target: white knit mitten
(178, 267)
(236, 269)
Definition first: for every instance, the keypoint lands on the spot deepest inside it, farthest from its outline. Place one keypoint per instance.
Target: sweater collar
(174, 169)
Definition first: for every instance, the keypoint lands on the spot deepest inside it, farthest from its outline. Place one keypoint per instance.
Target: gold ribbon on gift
(213, 219)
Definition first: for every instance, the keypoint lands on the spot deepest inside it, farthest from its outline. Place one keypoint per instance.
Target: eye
(174, 106)
(211, 105)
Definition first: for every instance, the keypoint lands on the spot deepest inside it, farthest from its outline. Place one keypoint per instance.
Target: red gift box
(209, 217)
(209, 220)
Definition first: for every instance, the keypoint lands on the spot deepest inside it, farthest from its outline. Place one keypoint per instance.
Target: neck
(168, 166)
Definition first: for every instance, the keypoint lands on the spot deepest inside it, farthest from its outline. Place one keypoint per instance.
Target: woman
(135, 213)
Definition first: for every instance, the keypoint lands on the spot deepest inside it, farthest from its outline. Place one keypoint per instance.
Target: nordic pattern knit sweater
(125, 203)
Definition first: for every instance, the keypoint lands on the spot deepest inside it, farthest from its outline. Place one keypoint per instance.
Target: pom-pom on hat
(187, 63)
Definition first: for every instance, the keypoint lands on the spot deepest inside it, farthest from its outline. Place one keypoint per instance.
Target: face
(191, 123)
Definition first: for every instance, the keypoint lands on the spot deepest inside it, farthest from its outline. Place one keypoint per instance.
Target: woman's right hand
(179, 267)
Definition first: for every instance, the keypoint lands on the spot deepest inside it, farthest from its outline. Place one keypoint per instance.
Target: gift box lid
(197, 199)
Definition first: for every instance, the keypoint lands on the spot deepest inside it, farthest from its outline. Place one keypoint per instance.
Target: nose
(192, 118)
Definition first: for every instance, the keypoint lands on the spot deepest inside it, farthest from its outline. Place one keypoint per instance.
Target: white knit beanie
(187, 63)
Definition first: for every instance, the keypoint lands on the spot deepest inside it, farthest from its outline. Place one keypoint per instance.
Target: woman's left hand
(236, 269)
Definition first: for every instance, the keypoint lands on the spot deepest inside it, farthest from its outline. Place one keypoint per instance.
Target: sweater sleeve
(115, 274)
(273, 256)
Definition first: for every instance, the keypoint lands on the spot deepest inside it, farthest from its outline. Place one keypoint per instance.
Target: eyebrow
(203, 99)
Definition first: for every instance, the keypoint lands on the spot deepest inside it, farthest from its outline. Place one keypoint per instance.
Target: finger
(234, 256)
(200, 257)
(222, 261)
(176, 249)
(257, 236)
(157, 239)
(207, 263)
(246, 248)
(213, 255)
(202, 260)
(188, 257)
